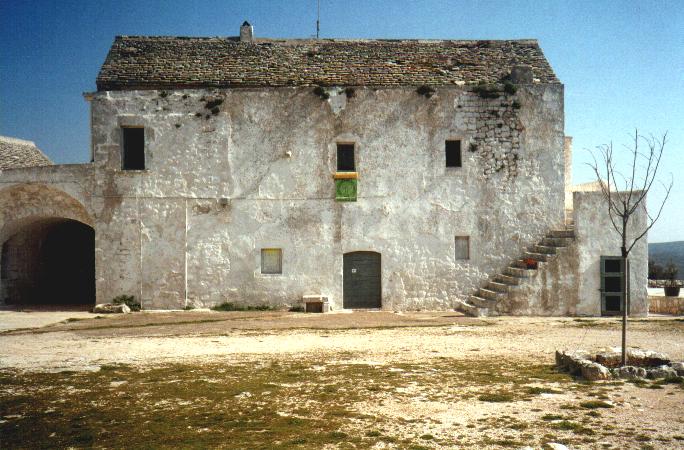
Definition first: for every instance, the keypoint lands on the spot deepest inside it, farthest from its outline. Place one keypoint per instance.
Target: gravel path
(155, 338)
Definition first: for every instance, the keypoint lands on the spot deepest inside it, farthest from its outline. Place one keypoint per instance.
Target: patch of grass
(502, 442)
(550, 417)
(671, 380)
(338, 435)
(262, 404)
(640, 382)
(568, 425)
(497, 397)
(595, 404)
(229, 306)
(128, 300)
(542, 390)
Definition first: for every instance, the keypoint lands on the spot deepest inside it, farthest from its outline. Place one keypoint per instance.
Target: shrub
(128, 300)
(487, 91)
(509, 88)
(425, 91)
(211, 104)
(594, 404)
(229, 306)
(318, 90)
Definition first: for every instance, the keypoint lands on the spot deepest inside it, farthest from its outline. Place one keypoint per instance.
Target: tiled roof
(153, 62)
(15, 153)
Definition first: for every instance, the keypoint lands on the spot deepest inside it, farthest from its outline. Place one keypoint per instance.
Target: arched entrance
(50, 262)
(47, 249)
(361, 287)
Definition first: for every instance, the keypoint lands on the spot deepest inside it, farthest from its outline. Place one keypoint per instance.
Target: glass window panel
(612, 284)
(271, 260)
(613, 302)
(133, 156)
(613, 265)
(345, 158)
(462, 247)
(453, 153)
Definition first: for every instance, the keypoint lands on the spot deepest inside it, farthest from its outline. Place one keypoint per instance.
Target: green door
(612, 273)
(361, 280)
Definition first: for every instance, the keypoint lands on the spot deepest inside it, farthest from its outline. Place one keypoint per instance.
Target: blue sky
(622, 63)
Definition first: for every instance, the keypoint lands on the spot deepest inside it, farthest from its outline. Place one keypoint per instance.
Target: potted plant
(671, 283)
(530, 263)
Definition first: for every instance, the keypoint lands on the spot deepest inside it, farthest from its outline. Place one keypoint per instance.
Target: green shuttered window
(345, 190)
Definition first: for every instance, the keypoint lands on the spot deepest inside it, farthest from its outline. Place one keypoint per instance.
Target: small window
(271, 260)
(453, 153)
(345, 158)
(462, 247)
(133, 157)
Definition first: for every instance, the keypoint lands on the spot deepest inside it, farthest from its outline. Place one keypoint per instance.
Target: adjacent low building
(391, 174)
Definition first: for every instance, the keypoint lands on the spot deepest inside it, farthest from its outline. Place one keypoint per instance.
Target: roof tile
(157, 62)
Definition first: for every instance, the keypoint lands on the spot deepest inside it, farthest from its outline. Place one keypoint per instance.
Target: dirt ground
(344, 380)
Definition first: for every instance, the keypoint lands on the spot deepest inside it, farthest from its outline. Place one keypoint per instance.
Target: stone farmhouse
(391, 174)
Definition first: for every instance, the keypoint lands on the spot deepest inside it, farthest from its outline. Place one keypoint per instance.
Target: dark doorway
(612, 273)
(49, 263)
(362, 280)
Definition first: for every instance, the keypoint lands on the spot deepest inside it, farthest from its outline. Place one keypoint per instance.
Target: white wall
(596, 237)
(166, 236)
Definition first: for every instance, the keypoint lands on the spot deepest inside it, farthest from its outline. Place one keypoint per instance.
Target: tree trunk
(624, 287)
(625, 307)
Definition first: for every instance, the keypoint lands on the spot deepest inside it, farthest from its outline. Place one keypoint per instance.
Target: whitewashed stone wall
(257, 173)
(596, 237)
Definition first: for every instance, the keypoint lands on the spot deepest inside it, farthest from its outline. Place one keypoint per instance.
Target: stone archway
(47, 248)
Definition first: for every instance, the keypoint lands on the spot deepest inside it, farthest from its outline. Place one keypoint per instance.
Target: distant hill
(663, 252)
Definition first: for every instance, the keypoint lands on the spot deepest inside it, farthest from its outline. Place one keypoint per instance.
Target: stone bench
(316, 303)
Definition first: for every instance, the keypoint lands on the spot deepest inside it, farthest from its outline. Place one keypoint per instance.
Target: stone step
(521, 264)
(507, 279)
(498, 287)
(471, 310)
(536, 256)
(556, 242)
(543, 249)
(517, 272)
(492, 295)
(569, 233)
(482, 302)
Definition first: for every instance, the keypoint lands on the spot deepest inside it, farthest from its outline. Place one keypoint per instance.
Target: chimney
(246, 32)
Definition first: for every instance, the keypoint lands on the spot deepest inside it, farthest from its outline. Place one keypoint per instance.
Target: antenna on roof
(318, 18)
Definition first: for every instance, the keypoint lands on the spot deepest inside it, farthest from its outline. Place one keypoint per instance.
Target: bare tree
(645, 154)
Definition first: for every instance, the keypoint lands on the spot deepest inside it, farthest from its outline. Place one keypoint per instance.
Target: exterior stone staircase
(484, 301)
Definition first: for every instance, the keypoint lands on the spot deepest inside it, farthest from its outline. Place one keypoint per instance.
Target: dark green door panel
(611, 285)
(361, 280)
